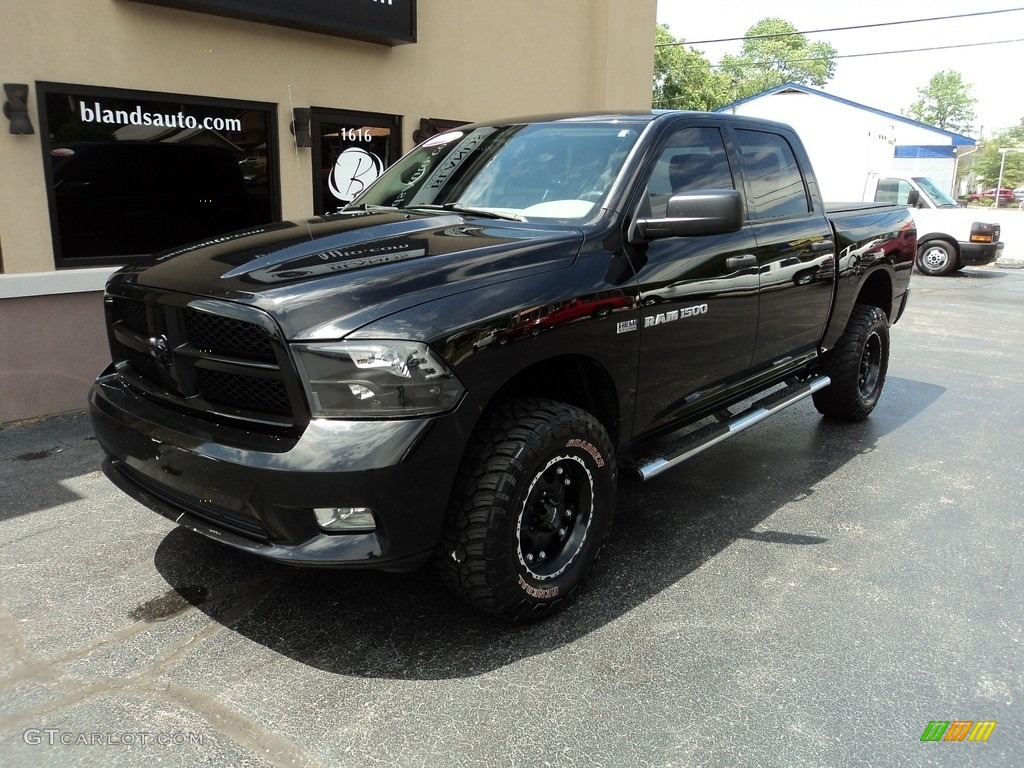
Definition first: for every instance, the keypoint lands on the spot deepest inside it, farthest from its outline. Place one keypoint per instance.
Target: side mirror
(697, 212)
(913, 198)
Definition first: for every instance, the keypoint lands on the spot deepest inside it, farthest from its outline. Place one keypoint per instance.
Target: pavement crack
(149, 682)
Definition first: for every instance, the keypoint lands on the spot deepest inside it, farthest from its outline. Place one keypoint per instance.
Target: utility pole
(1002, 166)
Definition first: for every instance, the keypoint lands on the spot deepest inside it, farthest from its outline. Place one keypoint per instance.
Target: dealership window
(131, 173)
(350, 150)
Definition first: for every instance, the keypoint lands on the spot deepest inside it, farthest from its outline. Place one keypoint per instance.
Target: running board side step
(695, 442)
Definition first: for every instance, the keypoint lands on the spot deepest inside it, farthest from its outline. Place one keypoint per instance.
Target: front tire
(857, 367)
(936, 258)
(530, 511)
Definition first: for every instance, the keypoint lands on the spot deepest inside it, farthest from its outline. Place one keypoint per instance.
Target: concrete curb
(1010, 262)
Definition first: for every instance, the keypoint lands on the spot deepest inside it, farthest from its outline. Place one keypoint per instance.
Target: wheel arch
(877, 292)
(944, 237)
(577, 380)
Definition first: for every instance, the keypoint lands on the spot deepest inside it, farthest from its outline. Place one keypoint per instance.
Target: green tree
(773, 54)
(684, 78)
(987, 159)
(946, 102)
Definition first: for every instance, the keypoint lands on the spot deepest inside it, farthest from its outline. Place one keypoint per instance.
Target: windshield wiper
(368, 208)
(459, 208)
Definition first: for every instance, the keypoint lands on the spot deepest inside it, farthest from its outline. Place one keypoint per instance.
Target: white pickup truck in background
(949, 237)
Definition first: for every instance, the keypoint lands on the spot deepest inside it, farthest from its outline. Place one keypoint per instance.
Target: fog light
(345, 519)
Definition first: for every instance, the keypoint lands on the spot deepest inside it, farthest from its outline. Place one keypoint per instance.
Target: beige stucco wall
(474, 60)
(47, 367)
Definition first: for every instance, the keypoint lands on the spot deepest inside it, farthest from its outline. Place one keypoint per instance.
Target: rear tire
(857, 367)
(531, 508)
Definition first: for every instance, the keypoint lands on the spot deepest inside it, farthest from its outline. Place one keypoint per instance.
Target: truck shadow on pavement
(39, 458)
(406, 626)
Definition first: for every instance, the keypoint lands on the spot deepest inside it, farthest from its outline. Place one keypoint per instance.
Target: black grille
(225, 335)
(240, 391)
(199, 359)
(144, 365)
(132, 313)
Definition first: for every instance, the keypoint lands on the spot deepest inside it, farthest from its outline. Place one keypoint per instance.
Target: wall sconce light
(16, 108)
(300, 127)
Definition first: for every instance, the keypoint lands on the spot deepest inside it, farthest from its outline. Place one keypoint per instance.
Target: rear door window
(775, 185)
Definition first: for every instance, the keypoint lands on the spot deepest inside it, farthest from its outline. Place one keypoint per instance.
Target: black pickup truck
(458, 366)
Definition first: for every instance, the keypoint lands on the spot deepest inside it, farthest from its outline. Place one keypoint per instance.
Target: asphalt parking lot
(807, 594)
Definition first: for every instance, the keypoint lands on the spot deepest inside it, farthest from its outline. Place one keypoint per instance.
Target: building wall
(939, 169)
(52, 347)
(473, 60)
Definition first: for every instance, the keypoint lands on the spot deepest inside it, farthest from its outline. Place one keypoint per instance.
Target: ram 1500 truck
(459, 365)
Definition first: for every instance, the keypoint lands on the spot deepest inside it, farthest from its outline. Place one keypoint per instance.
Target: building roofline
(958, 139)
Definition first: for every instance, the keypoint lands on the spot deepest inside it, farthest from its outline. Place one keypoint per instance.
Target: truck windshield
(930, 188)
(557, 170)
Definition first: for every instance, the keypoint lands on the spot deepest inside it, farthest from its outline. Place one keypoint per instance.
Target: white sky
(886, 82)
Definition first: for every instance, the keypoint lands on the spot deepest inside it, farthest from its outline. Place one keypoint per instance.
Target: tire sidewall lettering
(587, 447)
(547, 593)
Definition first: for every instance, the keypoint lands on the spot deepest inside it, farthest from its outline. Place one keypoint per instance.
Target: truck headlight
(984, 233)
(384, 379)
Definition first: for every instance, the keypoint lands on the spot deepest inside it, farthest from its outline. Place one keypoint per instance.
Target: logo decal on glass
(354, 170)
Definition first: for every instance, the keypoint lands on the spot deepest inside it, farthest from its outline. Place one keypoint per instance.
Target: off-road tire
(531, 507)
(857, 367)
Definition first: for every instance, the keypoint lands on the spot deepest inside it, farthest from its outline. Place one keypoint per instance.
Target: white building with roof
(847, 141)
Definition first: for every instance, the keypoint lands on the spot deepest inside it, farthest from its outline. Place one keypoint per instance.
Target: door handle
(823, 246)
(741, 262)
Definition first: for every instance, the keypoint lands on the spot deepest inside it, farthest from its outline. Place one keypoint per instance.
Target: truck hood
(325, 277)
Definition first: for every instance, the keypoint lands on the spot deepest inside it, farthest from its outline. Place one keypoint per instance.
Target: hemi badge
(626, 326)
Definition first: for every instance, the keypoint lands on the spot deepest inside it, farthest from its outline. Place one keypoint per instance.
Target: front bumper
(979, 253)
(256, 492)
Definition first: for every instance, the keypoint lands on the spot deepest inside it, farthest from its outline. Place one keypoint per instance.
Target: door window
(693, 158)
(776, 186)
(895, 191)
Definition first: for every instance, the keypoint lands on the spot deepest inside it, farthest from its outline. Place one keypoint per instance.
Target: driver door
(698, 294)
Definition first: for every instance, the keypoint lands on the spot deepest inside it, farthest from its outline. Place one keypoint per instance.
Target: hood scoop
(393, 241)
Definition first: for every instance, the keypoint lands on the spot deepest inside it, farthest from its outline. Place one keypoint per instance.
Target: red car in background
(1005, 195)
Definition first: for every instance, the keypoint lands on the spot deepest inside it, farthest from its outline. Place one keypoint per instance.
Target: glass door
(350, 150)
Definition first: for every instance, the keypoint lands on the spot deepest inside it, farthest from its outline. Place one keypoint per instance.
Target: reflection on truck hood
(364, 266)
